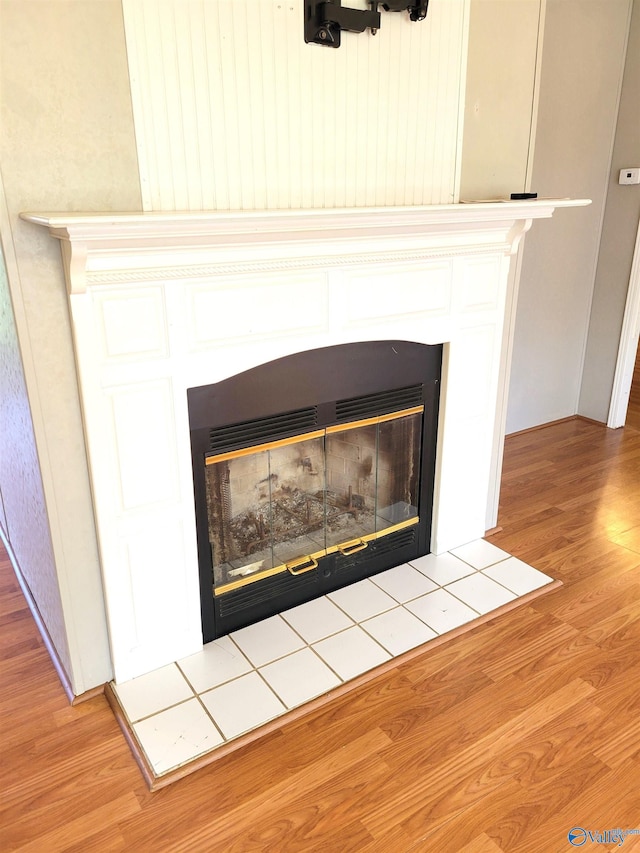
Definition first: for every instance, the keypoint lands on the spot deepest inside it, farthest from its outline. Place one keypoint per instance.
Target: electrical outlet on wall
(629, 176)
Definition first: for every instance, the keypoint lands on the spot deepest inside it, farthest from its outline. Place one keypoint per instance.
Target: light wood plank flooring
(501, 740)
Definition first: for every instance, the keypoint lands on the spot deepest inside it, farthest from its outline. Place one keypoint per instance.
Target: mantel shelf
(93, 225)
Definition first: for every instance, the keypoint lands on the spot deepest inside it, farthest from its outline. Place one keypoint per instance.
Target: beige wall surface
(24, 514)
(582, 67)
(617, 244)
(67, 143)
(501, 66)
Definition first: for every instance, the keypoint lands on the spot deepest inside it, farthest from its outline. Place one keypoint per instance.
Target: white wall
(67, 143)
(582, 66)
(234, 111)
(500, 92)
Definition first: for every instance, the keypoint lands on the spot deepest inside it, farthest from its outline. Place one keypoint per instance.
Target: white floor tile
(442, 568)
(480, 592)
(441, 611)
(299, 677)
(480, 553)
(403, 583)
(173, 737)
(267, 641)
(517, 576)
(351, 652)
(219, 661)
(362, 600)
(306, 651)
(242, 705)
(317, 619)
(398, 630)
(153, 692)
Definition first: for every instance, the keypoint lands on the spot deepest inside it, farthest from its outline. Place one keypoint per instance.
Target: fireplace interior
(311, 472)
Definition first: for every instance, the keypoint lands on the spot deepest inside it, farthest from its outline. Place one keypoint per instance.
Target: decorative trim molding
(239, 268)
(321, 238)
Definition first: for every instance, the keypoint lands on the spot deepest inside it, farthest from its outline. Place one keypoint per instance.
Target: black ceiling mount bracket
(324, 20)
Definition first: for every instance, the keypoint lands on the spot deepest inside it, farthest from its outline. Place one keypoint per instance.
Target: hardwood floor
(501, 740)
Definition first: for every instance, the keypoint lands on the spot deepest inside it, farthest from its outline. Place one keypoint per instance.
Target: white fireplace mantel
(161, 302)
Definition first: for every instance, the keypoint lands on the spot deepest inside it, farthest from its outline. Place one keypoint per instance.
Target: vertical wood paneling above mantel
(234, 111)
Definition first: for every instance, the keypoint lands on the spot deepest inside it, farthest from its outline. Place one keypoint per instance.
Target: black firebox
(311, 472)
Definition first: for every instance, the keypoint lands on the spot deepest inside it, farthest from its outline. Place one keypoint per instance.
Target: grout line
(353, 619)
(470, 606)
(518, 594)
(153, 713)
(326, 663)
(495, 563)
(209, 714)
(182, 672)
(342, 681)
(272, 689)
(333, 633)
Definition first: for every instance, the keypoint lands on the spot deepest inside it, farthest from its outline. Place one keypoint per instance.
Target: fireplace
(311, 472)
(161, 303)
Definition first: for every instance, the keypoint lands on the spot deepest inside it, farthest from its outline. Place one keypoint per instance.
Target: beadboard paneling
(234, 111)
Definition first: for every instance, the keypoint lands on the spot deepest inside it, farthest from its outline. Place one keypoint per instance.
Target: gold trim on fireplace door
(306, 436)
(361, 542)
(392, 416)
(276, 570)
(260, 448)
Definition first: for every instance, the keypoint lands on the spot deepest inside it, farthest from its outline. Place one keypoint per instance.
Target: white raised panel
(480, 286)
(149, 596)
(257, 307)
(146, 457)
(467, 411)
(158, 588)
(233, 111)
(133, 324)
(387, 291)
(475, 388)
(460, 495)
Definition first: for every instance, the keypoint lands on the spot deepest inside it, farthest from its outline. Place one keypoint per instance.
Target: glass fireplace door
(283, 505)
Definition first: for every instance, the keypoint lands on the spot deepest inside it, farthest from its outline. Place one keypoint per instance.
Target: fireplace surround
(165, 302)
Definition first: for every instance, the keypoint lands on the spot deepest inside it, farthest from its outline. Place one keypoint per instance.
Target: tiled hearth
(187, 710)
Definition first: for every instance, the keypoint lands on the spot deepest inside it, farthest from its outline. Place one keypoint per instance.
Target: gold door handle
(304, 564)
(352, 547)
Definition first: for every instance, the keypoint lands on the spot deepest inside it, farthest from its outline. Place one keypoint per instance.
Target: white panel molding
(210, 270)
(233, 111)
